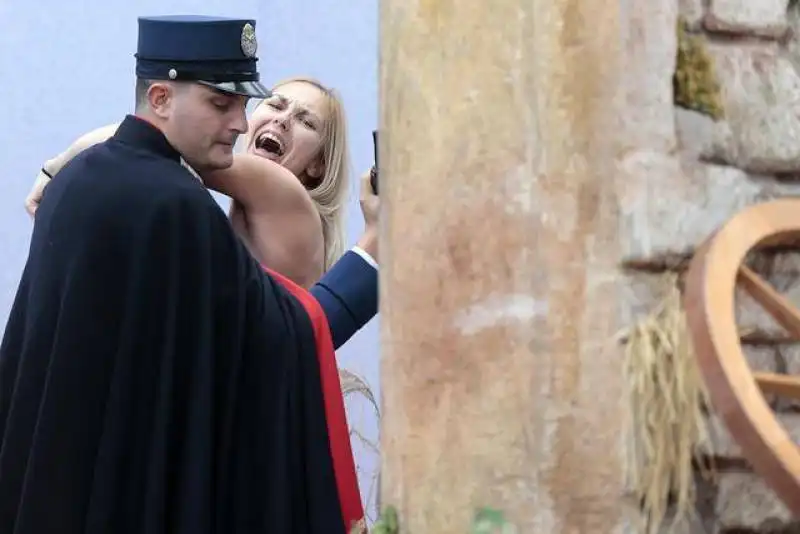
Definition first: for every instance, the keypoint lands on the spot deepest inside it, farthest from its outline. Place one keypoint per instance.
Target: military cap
(218, 52)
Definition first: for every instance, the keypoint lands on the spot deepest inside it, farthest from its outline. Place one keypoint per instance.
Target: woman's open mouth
(270, 146)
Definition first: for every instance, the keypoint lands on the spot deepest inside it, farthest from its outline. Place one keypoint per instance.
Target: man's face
(203, 124)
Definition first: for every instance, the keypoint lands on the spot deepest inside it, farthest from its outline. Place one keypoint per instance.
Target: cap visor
(251, 89)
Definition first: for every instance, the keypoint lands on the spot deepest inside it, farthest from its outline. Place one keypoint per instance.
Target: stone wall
(694, 171)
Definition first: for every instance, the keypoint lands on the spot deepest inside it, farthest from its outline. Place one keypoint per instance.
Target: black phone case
(373, 178)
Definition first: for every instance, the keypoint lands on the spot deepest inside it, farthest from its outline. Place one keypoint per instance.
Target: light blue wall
(67, 67)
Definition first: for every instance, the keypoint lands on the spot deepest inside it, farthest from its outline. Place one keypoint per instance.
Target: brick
(765, 18)
(761, 100)
(681, 204)
(745, 501)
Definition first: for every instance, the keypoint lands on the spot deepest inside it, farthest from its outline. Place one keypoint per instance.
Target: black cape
(153, 380)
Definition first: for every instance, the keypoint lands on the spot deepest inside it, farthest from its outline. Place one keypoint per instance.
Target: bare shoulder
(278, 195)
(278, 182)
(262, 186)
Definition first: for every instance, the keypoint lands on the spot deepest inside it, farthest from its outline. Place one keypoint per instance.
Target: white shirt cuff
(366, 256)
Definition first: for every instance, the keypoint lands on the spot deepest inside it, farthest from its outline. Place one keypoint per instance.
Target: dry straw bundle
(667, 425)
(352, 384)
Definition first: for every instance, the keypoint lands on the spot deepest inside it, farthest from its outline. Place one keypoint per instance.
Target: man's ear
(159, 97)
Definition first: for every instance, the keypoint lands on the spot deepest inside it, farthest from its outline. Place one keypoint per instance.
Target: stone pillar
(500, 376)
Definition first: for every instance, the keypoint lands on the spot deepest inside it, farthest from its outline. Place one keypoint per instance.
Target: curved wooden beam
(736, 393)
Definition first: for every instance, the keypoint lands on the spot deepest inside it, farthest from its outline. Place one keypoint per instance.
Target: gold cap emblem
(249, 42)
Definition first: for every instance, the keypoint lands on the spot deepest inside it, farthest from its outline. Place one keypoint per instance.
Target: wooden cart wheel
(737, 394)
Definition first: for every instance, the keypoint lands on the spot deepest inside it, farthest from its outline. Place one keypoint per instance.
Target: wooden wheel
(737, 394)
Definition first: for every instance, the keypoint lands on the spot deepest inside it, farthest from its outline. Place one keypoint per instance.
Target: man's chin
(217, 163)
(221, 163)
(221, 158)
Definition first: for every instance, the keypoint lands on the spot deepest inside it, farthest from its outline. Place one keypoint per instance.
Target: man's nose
(240, 122)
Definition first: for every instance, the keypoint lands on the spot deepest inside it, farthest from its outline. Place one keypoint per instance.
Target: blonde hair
(330, 196)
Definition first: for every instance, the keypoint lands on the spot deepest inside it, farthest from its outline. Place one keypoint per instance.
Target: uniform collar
(138, 132)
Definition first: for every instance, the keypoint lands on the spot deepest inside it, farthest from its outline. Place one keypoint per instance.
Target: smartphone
(373, 178)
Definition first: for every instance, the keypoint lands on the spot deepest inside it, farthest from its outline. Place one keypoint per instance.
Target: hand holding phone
(373, 177)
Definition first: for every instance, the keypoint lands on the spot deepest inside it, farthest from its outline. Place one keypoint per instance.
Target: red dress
(338, 432)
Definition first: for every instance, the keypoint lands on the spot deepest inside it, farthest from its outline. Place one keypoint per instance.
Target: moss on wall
(694, 82)
(486, 521)
(387, 523)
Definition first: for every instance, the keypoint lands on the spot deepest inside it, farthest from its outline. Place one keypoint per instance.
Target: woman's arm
(282, 224)
(52, 166)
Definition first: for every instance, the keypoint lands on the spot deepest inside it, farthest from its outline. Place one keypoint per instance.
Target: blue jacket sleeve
(348, 294)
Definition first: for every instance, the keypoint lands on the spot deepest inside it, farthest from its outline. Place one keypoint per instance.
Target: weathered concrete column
(501, 380)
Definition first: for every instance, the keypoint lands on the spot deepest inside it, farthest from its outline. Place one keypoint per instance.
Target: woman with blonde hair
(330, 193)
(317, 154)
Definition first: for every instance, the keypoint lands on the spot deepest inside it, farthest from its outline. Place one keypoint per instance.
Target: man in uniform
(153, 379)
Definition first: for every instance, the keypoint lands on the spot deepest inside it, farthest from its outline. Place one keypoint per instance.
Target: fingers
(30, 206)
(366, 186)
(35, 195)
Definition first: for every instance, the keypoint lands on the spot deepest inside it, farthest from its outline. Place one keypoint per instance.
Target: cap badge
(249, 42)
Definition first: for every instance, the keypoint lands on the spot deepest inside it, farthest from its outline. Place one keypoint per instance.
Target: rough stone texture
(755, 323)
(783, 274)
(680, 195)
(743, 500)
(765, 18)
(680, 205)
(695, 135)
(786, 269)
(792, 45)
(762, 358)
(791, 357)
(640, 294)
(692, 11)
(647, 126)
(761, 99)
(788, 359)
